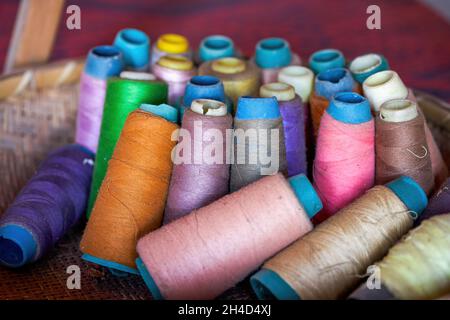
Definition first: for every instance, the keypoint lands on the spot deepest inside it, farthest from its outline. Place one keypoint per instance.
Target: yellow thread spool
(172, 43)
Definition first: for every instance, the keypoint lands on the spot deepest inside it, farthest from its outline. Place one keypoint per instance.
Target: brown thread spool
(401, 146)
(239, 77)
(132, 196)
(328, 261)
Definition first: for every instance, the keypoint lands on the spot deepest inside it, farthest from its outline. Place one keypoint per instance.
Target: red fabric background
(413, 38)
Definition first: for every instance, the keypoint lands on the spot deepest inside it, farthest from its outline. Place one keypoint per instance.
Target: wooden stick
(34, 33)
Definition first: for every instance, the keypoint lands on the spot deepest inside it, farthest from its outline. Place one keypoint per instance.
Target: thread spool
(327, 84)
(387, 85)
(102, 62)
(366, 65)
(344, 167)
(260, 120)
(401, 146)
(131, 199)
(197, 181)
(292, 113)
(439, 203)
(170, 43)
(272, 54)
(215, 47)
(203, 87)
(239, 77)
(273, 211)
(327, 262)
(301, 78)
(176, 71)
(325, 59)
(122, 97)
(134, 75)
(417, 267)
(51, 202)
(135, 47)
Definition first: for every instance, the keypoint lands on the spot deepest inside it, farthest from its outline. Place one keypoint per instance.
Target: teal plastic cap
(135, 47)
(306, 194)
(216, 47)
(410, 193)
(350, 107)
(268, 285)
(114, 267)
(17, 246)
(326, 59)
(150, 283)
(273, 53)
(163, 110)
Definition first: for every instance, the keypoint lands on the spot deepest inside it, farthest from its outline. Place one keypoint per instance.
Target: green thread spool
(122, 97)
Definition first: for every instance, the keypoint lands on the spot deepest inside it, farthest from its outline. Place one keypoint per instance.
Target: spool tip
(216, 47)
(163, 110)
(410, 193)
(398, 110)
(365, 65)
(306, 194)
(331, 81)
(176, 62)
(135, 75)
(134, 45)
(228, 65)
(249, 108)
(209, 107)
(350, 107)
(104, 61)
(203, 87)
(273, 53)
(111, 265)
(172, 43)
(268, 285)
(17, 246)
(281, 91)
(326, 59)
(148, 279)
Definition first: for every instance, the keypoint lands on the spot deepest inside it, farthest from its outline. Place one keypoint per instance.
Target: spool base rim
(112, 266)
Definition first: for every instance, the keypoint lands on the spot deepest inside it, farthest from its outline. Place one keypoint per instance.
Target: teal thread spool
(326, 59)
(216, 47)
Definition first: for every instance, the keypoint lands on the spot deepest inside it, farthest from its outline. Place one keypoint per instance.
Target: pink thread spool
(102, 62)
(210, 250)
(344, 167)
(176, 71)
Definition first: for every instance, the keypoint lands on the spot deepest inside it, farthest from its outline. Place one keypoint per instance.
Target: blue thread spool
(135, 47)
(267, 284)
(306, 195)
(326, 59)
(216, 47)
(366, 65)
(170, 114)
(273, 53)
(331, 81)
(203, 87)
(103, 62)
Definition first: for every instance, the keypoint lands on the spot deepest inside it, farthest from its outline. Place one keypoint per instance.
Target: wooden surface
(34, 33)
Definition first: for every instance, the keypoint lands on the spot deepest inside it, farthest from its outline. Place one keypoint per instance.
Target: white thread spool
(301, 78)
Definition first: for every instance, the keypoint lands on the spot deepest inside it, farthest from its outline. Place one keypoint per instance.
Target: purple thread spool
(102, 62)
(50, 203)
(198, 181)
(292, 112)
(176, 71)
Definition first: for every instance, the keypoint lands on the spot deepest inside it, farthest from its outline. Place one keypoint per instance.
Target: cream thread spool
(301, 78)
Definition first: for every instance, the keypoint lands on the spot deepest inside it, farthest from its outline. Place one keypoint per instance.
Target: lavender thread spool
(135, 47)
(292, 112)
(176, 71)
(271, 55)
(102, 62)
(50, 203)
(199, 182)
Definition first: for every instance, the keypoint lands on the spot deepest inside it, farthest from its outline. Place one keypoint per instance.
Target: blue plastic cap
(268, 285)
(113, 266)
(331, 81)
(150, 283)
(17, 246)
(306, 194)
(273, 53)
(163, 110)
(249, 108)
(216, 47)
(326, 59)
(103, 62)
(203, 87)
(410, 193)
(135, 47)
(362, 75)
(350, 107)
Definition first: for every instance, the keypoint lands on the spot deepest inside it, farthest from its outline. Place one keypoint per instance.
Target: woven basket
(37, 114)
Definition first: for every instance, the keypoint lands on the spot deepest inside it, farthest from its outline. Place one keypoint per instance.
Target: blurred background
(414, 35)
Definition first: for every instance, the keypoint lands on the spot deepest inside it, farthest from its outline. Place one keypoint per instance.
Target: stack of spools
(201, 178)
